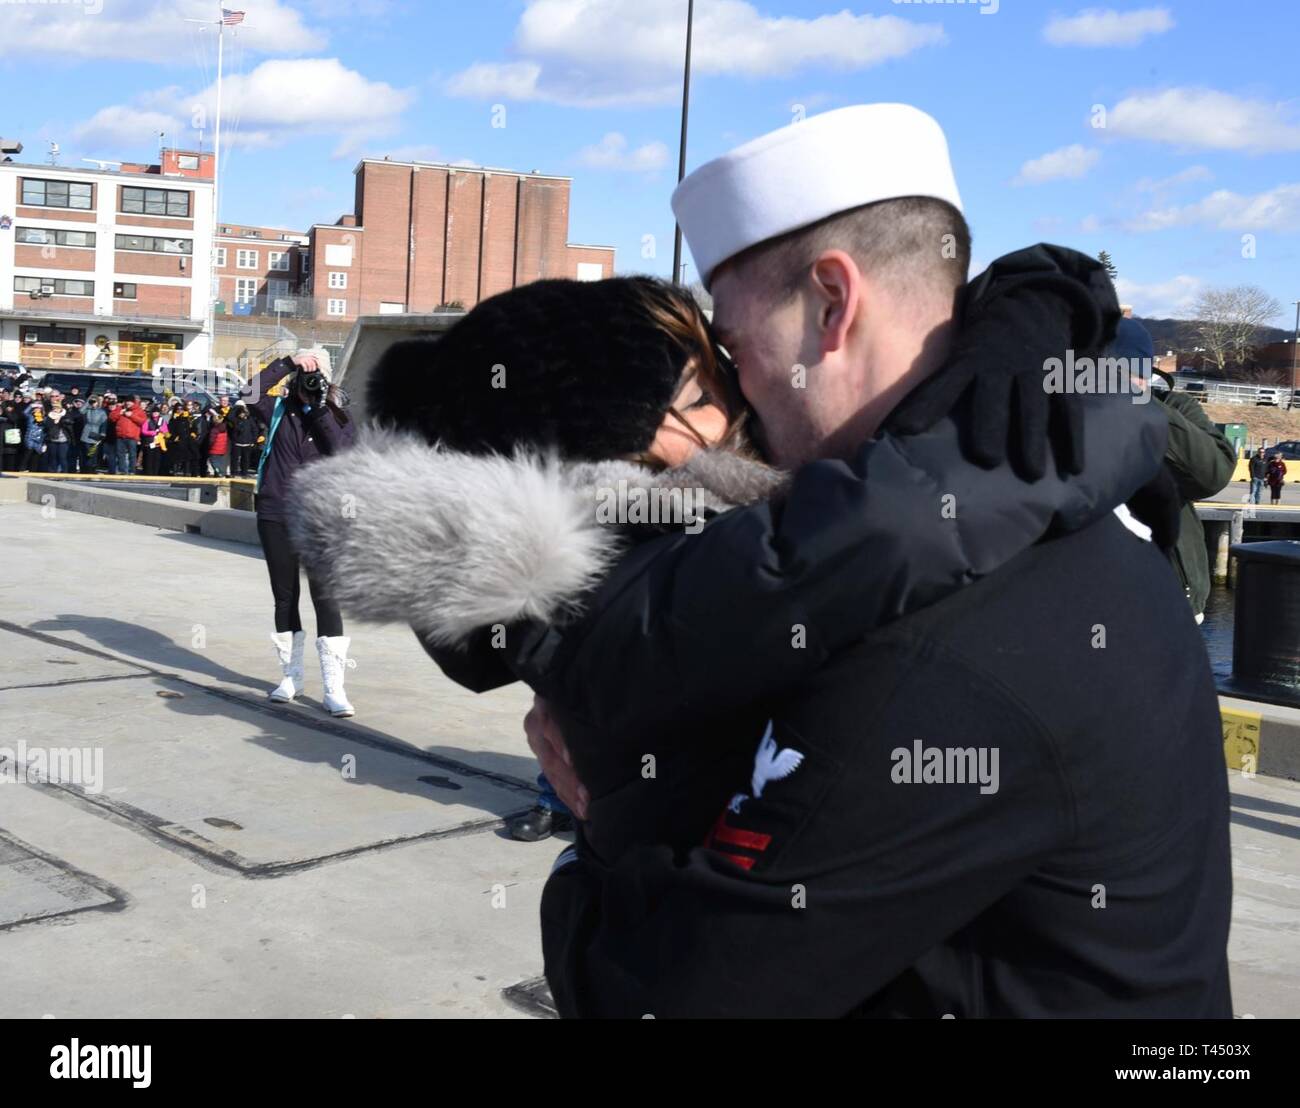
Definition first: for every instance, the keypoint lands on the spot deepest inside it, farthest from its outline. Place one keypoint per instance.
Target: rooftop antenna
(162, 142)
(54, 152)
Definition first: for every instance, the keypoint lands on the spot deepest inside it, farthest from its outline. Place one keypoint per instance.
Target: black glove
(1025, 308)
(1159, 505)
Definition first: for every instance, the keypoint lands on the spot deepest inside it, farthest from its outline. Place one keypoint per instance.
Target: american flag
(231, 19)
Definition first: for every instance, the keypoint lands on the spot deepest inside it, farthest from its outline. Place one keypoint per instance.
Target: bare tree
(1228, 320)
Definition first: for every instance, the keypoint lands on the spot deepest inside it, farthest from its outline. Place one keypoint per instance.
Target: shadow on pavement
(148, 647)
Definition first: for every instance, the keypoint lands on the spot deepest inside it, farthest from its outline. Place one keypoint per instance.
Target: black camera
(312, 382)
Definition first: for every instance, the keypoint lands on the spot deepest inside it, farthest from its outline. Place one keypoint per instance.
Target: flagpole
(211, 321)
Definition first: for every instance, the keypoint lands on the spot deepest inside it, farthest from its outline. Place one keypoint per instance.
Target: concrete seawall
(209, 520)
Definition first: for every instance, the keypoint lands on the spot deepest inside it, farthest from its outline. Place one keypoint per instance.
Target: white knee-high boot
(289, 647)
(334, 662)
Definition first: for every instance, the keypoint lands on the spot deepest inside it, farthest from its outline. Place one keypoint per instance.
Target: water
(1216, 629)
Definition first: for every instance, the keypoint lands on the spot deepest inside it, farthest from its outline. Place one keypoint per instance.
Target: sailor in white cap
(833, 248)
(836, 253)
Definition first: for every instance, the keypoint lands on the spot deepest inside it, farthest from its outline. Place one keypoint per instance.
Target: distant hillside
(1175, 334)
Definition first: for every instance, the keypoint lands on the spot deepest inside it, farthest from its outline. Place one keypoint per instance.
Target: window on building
(124, 290)
(245, 290)
(278, 260)
(338, 253)
(252, 233)
(276, 288)
(590, 271)
(338, 280)
(71, 336)
(187, 161)
(58, 286)
(44, 236)
(246, 259)
(155, 245)
(336, 307)
(220, 251)
(155, 202)
(57, 194)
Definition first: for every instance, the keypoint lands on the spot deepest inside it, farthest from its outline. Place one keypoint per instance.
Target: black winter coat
(854, 610)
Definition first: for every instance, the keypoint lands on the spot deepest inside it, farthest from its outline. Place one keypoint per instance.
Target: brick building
(125, 259)
(254, 267)
(422, 235)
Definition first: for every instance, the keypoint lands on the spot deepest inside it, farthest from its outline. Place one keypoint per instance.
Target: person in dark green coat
(1202, 460)
(1199, 456)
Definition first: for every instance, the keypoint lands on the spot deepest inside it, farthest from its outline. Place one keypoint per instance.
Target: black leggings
(282, 564)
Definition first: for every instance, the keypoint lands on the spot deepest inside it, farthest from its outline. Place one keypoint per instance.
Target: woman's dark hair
(678, 313)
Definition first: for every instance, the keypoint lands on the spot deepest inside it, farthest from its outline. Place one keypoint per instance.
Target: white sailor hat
(807, 171)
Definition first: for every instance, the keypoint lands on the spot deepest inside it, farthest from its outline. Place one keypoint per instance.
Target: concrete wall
(210, 521)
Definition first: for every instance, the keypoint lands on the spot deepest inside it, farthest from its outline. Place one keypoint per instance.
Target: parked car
(11, 373)
(1290, 450)
(1268, 396)
(188, 386)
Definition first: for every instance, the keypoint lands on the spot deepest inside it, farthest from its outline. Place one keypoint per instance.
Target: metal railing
(265, 305)
(1232, 392)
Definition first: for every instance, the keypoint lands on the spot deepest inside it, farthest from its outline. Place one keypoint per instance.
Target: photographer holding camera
(304, 419)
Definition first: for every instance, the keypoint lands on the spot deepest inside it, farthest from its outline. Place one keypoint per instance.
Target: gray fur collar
(399, 531)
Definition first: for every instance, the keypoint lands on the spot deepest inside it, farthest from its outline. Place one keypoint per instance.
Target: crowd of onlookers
(46, 431)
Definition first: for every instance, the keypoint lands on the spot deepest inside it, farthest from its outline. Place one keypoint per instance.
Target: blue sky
(1192, 180)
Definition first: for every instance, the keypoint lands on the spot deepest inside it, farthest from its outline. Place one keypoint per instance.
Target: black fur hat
(578, 366)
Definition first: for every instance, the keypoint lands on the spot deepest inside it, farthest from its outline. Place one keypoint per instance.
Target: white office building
(106, 269)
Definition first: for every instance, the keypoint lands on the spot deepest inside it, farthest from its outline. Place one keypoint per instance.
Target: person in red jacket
(1275, 475)
(127, 419)
(219, 439)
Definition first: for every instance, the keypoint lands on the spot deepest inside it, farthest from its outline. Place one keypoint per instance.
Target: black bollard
(1266, 629)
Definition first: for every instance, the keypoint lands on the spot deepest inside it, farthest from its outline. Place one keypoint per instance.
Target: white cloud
(507, 80)
(1277, 209)
(123, 131)
(1107, 27)
(274, 103)
(1090, 225)
(1068, 162)
(612, 153)
(1205, 119)
(1171, 299)
(1182, 177)
(116, 31)
(630, 51)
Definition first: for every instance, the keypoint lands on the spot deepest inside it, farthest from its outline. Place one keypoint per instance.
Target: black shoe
(539, 824)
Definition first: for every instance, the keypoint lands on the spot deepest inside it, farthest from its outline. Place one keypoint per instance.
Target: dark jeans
(32, 458)
(126, 454)
(245, 461)
(220, 464)
(153, 459)
(56, 457)
(286, 583)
